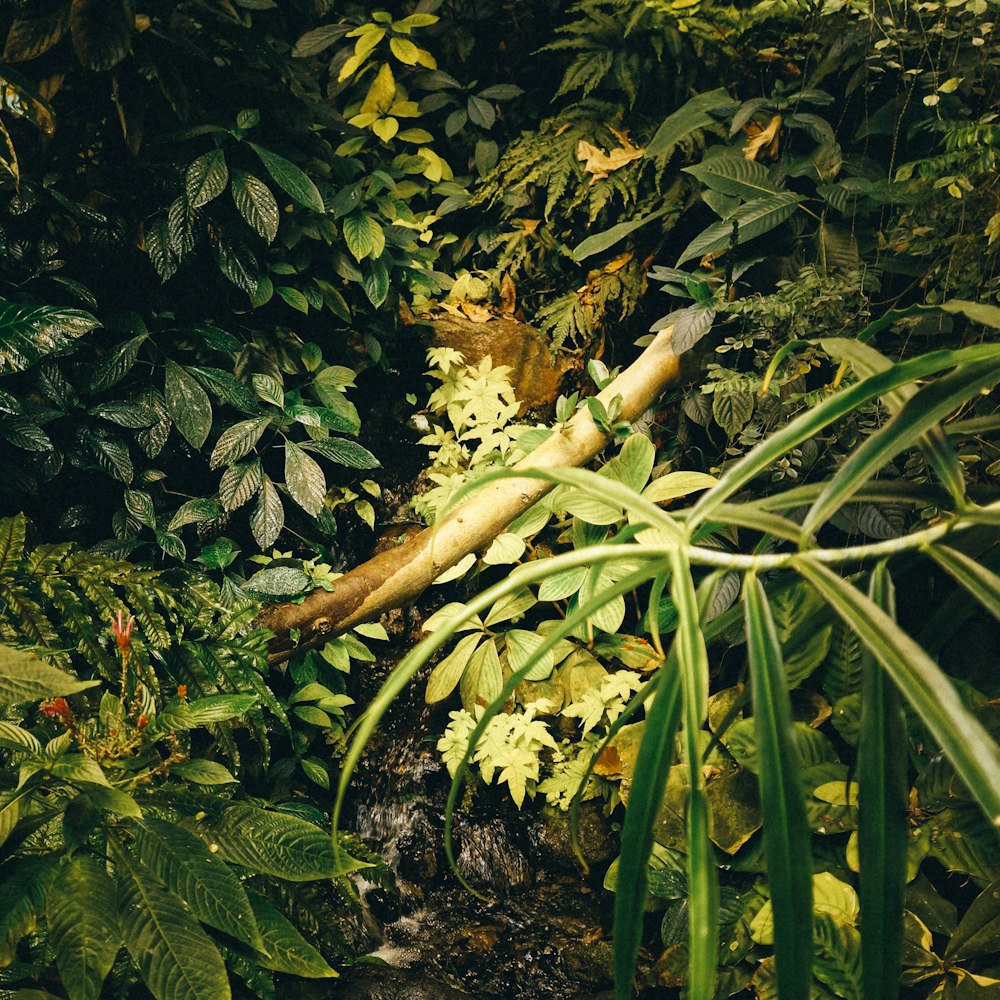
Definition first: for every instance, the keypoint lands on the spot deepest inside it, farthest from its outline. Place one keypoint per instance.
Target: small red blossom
(142, 722)
(122, 631)
(55, 708)
(182, 690)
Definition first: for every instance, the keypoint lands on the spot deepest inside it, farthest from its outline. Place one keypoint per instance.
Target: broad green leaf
(966, 743)
(273, 843)
(238, 441)
(13, 737)
(344, 452)
(280, 581)
(256, 204)
(283, 947)
(838, 957)
(376, 282)
(522, 652)
(24, 678)
(238, 484)
(482, 680)
(206, 178)
(786, 831)
(600, 242)
(83, 929)
(752, 219)
(268, 517)
(978, 932)
(204, 772)
(304, 479)
(290, 178)
(175, 956)
(930, 405)
(563, 584)
(221, 707)
(445, 676)
(363, 235)
(139, 504)
(188, 404)
(882, 823)
(506, 548)
(183, 863)
(31, 333)
(195, 512)
(734, 174)
(689, 117)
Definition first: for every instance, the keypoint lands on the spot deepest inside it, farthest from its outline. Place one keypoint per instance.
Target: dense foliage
(224, 225)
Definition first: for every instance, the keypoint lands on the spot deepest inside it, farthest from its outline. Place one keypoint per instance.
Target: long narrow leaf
(652, 765)
(813, 421)
(979, 581)
(883, 792)
(970, 748)
(786, 829)
(692, 658)
(914, 419)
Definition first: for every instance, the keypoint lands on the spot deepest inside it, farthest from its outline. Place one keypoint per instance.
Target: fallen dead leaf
(600, 164)
(508, 295)
(763, 141)
(476, 312)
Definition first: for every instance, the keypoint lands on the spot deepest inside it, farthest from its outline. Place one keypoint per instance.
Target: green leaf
(811, 422)
(31, 333)
(978, 933)
(102, 32)
(175, 956)
(139, 504)
(733, 174)
(25, 678)
(195, 511)
(445, 676)
(238, 484)
(600, 242)
(692, 662)
(968, 746)
(256, 204)
(376, 282)
(838, 957)
(188, 404)
(294, 298)
(290, 178)
(206, 178)
(677, 484)
(220, 707)
(304, 479)
(917, 416)
(562, 584)
(238, 441)
(83, 930)
(204, 772)
(363, 235)
(24, 882)
(343, 452)
(649, 779)
(481, 112)
(882, 823)
(284, 949)
(483, 678)
(268, 517)
(749, 221)
(732, 410)
(690, 117)
(786, 830)
(522, 652)
(272, 843)
(183, 863)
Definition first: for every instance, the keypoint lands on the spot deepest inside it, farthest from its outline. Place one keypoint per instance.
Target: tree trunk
(393, 579)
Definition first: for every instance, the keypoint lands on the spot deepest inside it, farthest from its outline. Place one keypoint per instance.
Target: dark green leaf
(206, 178)
(344, 452)
(749, 221)
(188, 404)
(30, 333)
(600, 242)
(102, 31)
(82, 927)
(239, 483)
(786, 831)
(268, 517)
(304, 479)
(238, 441)
(290, 179)
(280, 581)
(175, 956)
(693, 115)
(286, 950)
(256, 204)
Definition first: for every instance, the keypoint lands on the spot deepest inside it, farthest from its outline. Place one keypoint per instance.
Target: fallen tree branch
(393, 579)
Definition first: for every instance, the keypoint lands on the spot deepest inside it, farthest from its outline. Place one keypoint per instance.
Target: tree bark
(395, 578)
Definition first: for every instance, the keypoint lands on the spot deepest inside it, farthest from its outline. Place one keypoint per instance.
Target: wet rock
(372, 982)
(590, 961)
(418, 857)
(550, 837)
(490, 858)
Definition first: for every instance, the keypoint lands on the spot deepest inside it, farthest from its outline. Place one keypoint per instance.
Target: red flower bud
(55, 708)
(142, 722)
(122, 631)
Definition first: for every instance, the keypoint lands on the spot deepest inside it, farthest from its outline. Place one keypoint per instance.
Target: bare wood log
(393, 579)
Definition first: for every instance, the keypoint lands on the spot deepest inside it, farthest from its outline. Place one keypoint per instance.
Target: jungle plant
(778, 544)
(118, 829)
